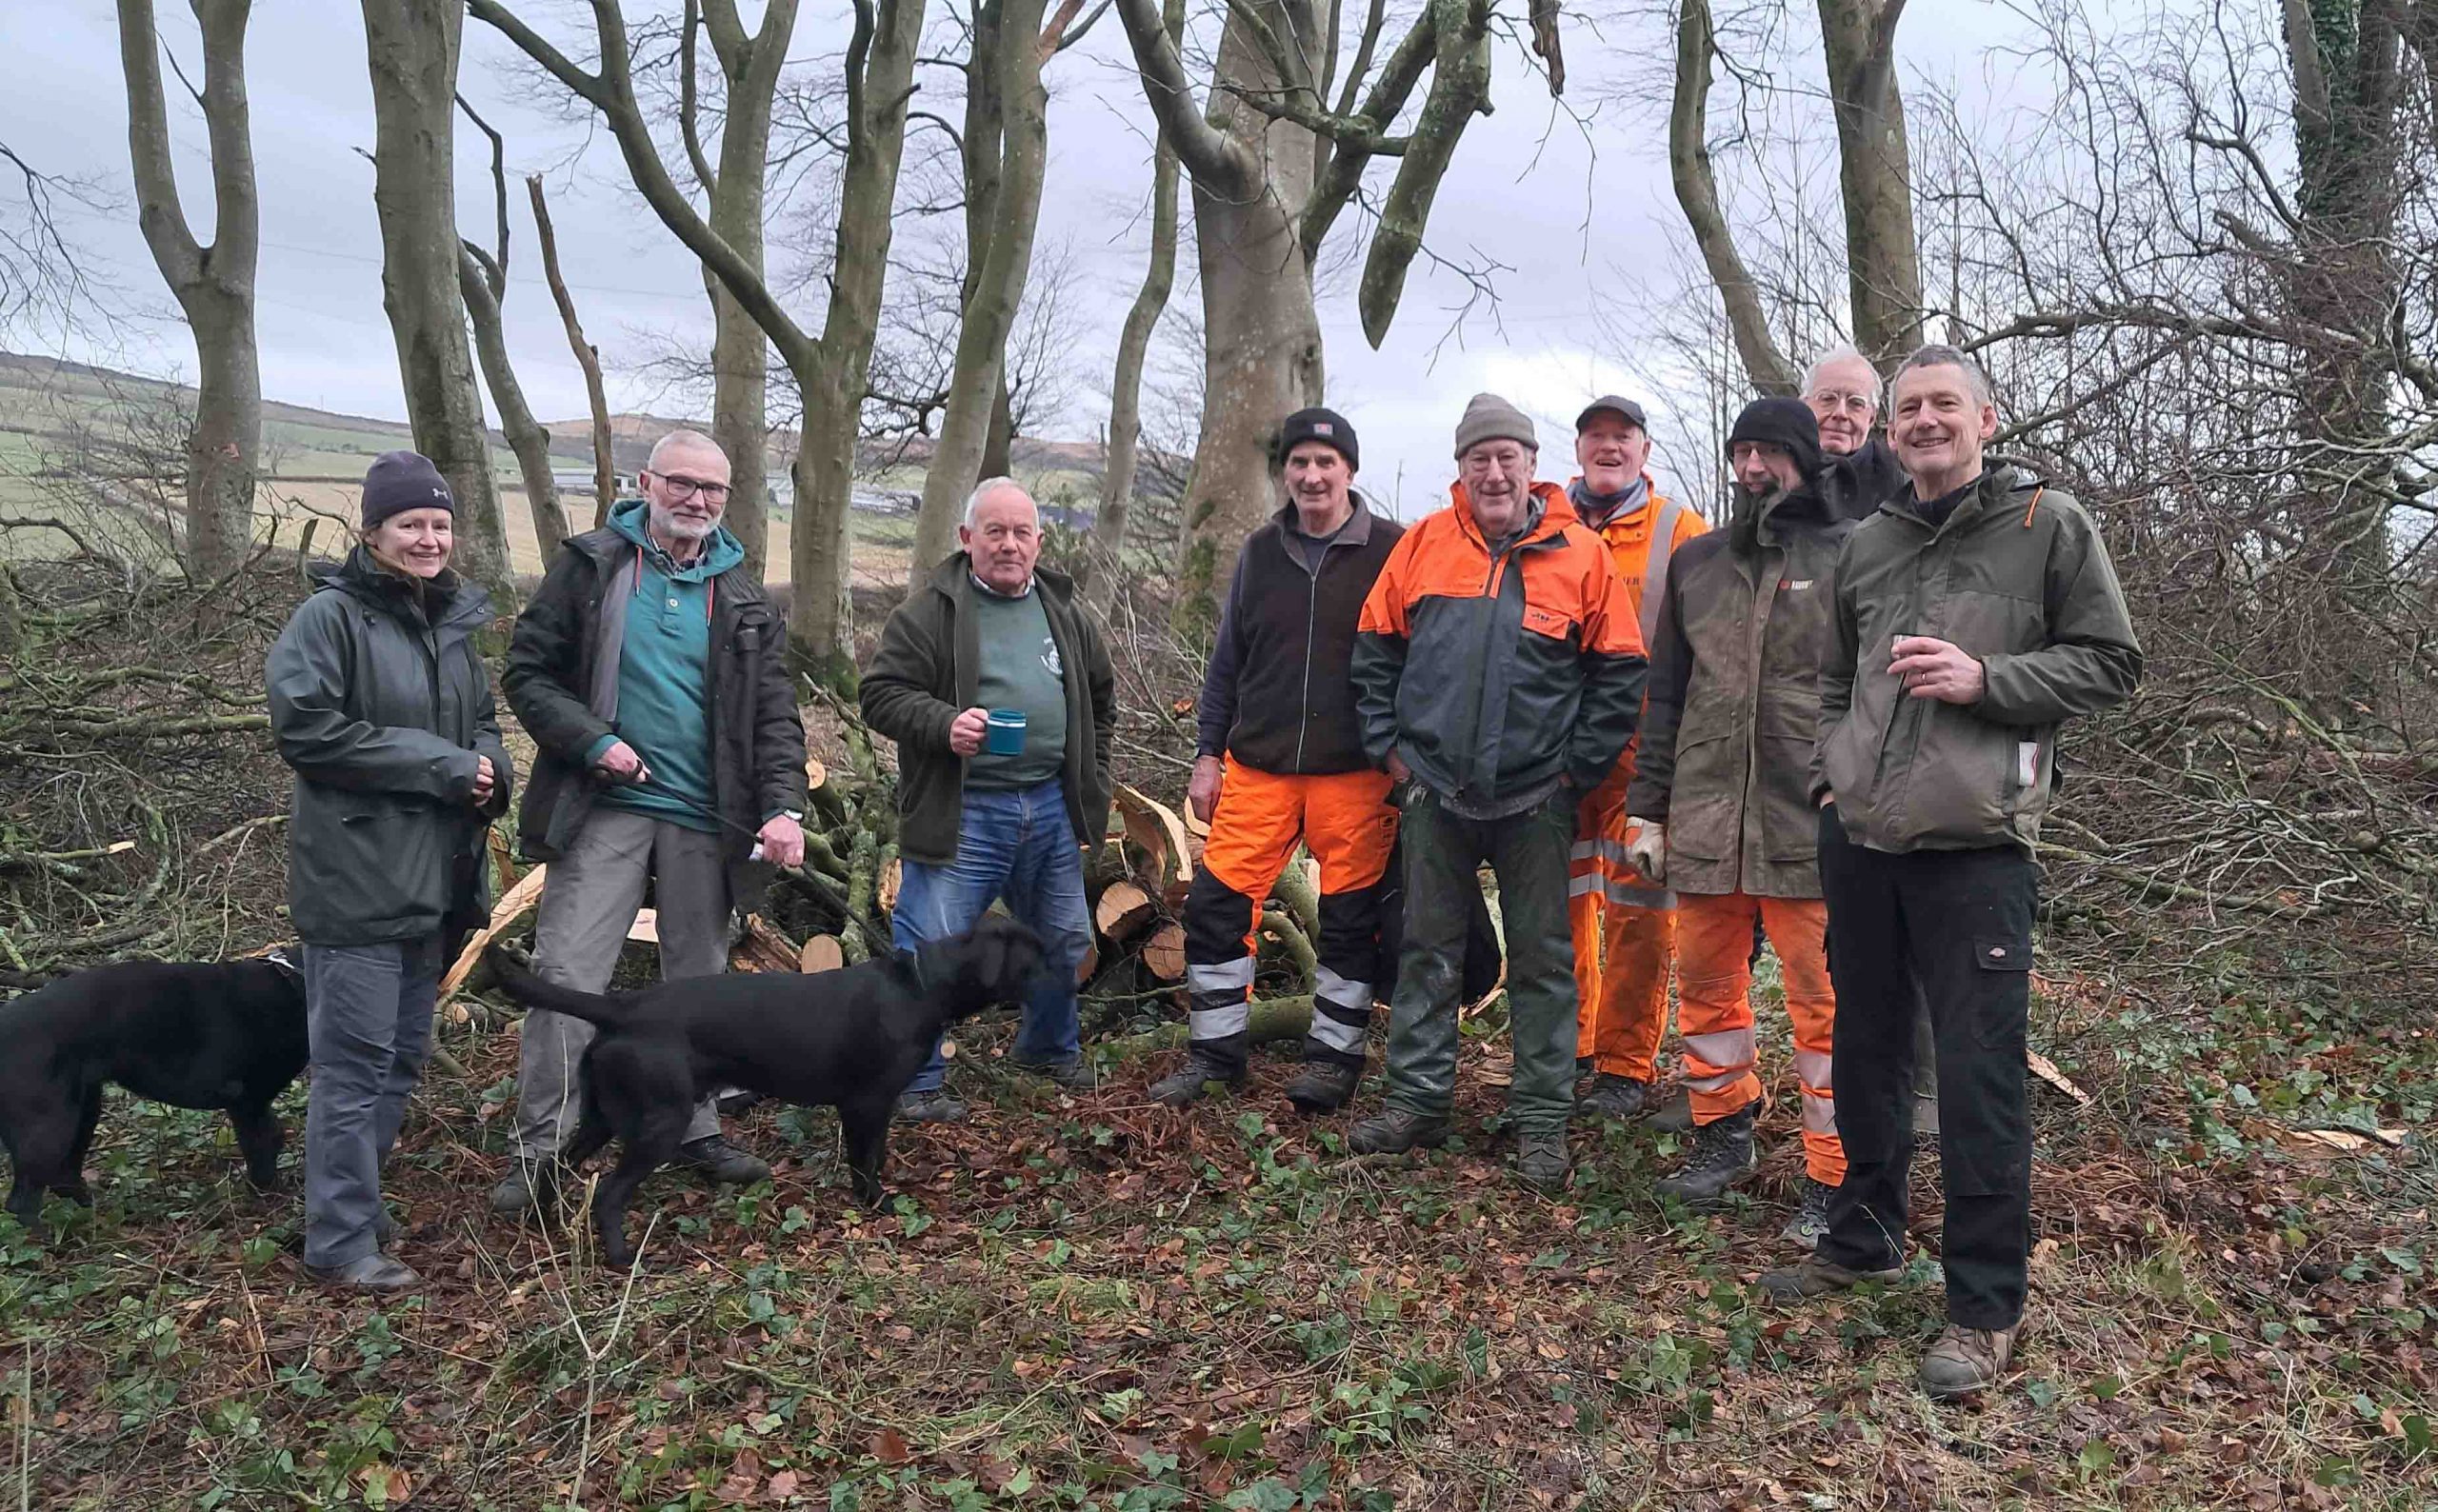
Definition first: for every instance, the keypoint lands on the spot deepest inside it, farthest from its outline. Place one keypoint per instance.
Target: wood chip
(2045, 1068)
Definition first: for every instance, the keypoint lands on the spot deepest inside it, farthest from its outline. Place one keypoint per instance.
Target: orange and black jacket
(1490, 674)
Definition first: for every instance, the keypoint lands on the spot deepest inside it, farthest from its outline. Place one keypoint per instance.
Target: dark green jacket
(924, 676)
(2017, 576)
(380, 703)
(563, 685)
(1734, 706)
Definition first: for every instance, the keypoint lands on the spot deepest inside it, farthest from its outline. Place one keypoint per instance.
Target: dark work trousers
(1959, 922)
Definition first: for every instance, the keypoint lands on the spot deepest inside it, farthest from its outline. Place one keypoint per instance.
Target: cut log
(890, 875)
(1155, 827)
(763, 949)
(815, 773)
(1274, 1019)
(1164, 953)
(513, 904)
(821, 953)
(1125, 910)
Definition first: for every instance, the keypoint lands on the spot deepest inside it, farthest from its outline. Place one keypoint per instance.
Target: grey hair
(988, 486)
(679, 440)
(1939, 354)
(1845, 352)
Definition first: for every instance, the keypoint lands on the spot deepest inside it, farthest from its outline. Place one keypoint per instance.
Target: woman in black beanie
(381, 704)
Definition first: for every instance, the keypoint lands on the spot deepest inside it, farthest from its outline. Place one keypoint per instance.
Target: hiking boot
(730, 1100)
(1811, 1278)
(722, 1161)
(934, 1106)
(1617, 1097)
(1393, 1131)
(1722, 1155)
(1323, 1086)
(373, 1272)
(1186, 1084)
(1542, 1160)
(1675, 1116)
(1810, 1224)
(1968, 1360)
(515, 1196)
(1073, 1072)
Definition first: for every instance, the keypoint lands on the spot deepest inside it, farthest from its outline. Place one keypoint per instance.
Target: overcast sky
(1583, 221)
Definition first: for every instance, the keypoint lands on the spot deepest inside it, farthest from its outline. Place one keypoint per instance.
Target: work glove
(1648, 849)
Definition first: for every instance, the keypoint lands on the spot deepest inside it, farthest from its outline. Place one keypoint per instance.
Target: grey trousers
(367, 1020)
(589, 901)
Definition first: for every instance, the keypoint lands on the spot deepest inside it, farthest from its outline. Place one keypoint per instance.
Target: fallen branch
(1274, 1019)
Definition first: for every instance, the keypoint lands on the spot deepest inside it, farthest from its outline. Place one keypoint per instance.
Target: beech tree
(214, 284)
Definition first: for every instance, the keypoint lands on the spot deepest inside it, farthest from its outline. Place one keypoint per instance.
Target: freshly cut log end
(1164, 953)
(1125, 910)
(821, 953)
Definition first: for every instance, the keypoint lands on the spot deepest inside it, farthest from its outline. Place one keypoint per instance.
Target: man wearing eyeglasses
(650, 670)
(1842, 389)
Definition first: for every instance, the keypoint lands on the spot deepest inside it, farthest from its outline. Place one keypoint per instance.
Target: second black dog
(849, 1040)
(210, 1035)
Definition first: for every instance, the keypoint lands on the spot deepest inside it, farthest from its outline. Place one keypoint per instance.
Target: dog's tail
(593, 1007)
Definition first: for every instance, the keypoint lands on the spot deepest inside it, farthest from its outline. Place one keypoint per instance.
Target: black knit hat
(1787, 423)
(1325, 426)
(399, 481)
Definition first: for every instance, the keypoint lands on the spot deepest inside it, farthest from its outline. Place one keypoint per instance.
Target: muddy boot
(935, 1106)
(1323, 1086)
(714, 1157)
(1722, 1155)
(1811, 1278)
(1186, 1084)
(1617, 1097)
(1395, 1131)
(1542, 1160)
(1968, 1360)
(1810, 1224)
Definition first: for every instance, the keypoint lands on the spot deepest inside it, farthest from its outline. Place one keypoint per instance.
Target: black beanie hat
(399, 481)
(1787, 423)
(1325, 426)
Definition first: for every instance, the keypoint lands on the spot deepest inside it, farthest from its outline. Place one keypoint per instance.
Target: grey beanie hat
(1491, 418)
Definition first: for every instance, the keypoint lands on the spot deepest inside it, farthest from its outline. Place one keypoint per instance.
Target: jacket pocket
(1959, 778)
(1703, 799)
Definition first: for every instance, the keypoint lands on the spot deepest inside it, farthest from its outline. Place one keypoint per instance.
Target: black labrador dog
(850, 1039)
(224, 1035)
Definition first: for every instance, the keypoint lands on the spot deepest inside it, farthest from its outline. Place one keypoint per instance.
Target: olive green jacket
(2017, 576)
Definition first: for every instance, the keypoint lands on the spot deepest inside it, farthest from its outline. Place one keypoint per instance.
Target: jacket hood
(720, 553)
(1644, 495)
(1556, 513)
(957, 566)
(451, 601)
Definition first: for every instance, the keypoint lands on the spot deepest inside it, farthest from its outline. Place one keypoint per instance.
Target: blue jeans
(1020, 847)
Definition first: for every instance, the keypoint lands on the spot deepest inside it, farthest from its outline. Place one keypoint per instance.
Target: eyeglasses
(681, 486)
(1832, 400)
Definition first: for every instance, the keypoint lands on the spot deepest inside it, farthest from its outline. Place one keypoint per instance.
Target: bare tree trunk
(1883, 260)
(482, 277)
(1689, 166)
(995, 289)
(749, 66)
(214, 285)
(588, 356)
(412, 49)
(833, 370)
(524, 434)
(1273, 169)
(1102, 565)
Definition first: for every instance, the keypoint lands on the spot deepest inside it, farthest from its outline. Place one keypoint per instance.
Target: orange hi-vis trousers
(1625, 939)
(1714, 1010)
(1347, 821)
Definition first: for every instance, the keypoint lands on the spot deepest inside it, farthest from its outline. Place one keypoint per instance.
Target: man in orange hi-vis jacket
(1497, 673)
(1624, 926)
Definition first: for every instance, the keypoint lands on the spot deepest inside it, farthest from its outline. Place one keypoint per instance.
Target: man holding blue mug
(997, 689)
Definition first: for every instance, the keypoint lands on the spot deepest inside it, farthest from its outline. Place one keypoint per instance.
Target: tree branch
(688, 102)
(494, 265)
(1689, 166)
(1215, 162)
